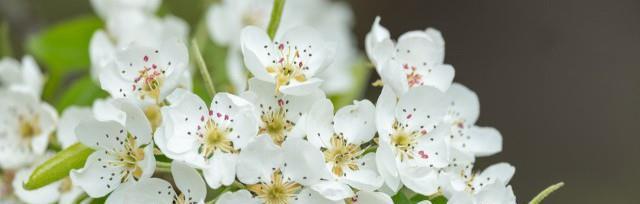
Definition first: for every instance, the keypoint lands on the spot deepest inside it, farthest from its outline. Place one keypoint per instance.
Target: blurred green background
(560, 79)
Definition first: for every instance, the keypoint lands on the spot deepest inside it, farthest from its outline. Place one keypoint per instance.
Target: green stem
(276, 14)
(163, 166)
(204, 72)
(80, 198)
(542, 195)
(5, 40)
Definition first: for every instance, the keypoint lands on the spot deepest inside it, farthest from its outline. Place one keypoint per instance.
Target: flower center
(148, 82)
(129, 158)
(413, 77)
(215, 138)
(65, 185)
(342, 155)
(29, 128)
(288, 67)
(153, 114)
(276, 192)
(275, 124)
(404, 141)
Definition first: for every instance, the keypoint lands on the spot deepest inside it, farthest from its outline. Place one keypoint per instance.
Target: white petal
(303, 162)
(101, 53)
(241, 196)
(256, 59)
(71, 117)
(356, 122)
(46, 194)
(181, 120)
(333, 190)
(385, 112)
(464, 104)
(382, 52)
(101, 135)
(421, 180)
(301, 88)
(439, 76)
(386, 163)
(152, 190)
(500, 172)
(392, 75)
(485, 141)
(221, 169)
(236, 112)
(422, 108)
(104, 110)
(98, 177)
(368, 197)
(496, 193)
(367, 176)
(308, 196)
(253, 166)
(136, 121)
(238, 75)
(32, 75)
(417, 49)
(318, 128)
(377, 34)
(189, 182)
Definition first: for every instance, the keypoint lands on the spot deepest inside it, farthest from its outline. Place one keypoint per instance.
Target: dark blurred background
(560, 79)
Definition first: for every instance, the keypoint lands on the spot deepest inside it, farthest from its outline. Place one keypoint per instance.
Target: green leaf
(438, 200)
(418, 197)
(401, 198)
(82, 92)
(58, 166)
(65, 46)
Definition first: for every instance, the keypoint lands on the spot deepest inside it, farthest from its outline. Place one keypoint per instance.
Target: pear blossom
(411, 145)
(417, 59)
(285, 176)
(22, 76)
(464, 135)
(488, 186)
(155, 190)
(290, 61)
(124, 150)
(334, 20)
(25, 126)
(342, 139)
(281, 116)
(207, 138)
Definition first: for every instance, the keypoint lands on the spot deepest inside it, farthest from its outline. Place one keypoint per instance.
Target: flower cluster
(278, 138)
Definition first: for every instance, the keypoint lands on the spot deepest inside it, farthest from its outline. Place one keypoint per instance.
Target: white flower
(283, 176)
(124, 150)
(106, 8)
(25, 126)
(25, 77)
(226, 19)
(281, 116)
(155, 190)
(369, 197)
(208, 138)
(69, 120)
(417, 59)
(290, 61)
(464, 135)
(341, 139)
(62, 191)
(411, 146)
(489, 186)
(146, 74)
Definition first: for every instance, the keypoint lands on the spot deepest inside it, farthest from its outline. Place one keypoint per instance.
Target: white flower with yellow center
(417, 59)
(281, 116)
(343, 139)
(146, 74)
(22, 76)
(124, 150)
(411, 145)
(208, 138)
(290, 61)
(279, 174)
(192, 189)
(488, 186)
(25, 126)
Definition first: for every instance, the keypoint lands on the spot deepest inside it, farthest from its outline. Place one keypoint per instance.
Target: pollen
(342, 155)
(29, 128)
(275, 124)
(278, 191)
(215, 138)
